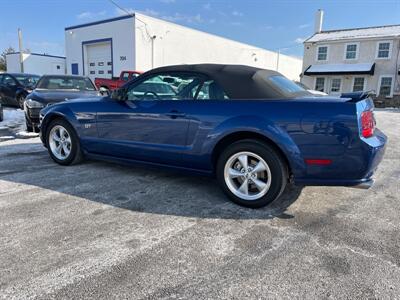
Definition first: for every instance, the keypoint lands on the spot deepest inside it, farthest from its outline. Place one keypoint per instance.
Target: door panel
(151, 120)
(143, 130)
(9, 89)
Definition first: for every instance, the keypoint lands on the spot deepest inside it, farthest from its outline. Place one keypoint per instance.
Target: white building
(139, 42)
(35, 63)
(359, 59)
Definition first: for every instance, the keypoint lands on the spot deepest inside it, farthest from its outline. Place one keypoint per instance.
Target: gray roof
(388, 31)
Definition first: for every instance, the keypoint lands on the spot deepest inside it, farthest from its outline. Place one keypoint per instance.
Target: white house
(35, 63)
(138, 42)
(350, 60)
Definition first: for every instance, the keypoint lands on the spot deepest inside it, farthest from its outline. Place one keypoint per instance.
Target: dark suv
(14, 87)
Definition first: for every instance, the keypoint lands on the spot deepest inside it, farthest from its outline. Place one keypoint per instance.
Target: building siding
(176, 44)
(366, 54)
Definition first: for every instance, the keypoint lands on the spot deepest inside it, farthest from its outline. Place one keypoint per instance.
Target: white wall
(175, 44)
(36, 64)
(13, 64)
(120, 31)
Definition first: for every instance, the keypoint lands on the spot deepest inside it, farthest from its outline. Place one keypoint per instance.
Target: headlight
(33, 104)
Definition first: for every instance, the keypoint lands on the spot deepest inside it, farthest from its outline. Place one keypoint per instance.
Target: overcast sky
(269, 24)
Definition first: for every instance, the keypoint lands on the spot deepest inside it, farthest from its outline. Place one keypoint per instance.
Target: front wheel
(63, 143)
(252, 173)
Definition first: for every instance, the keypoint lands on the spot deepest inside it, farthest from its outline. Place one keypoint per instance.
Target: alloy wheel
(60, 142)
(247, 175)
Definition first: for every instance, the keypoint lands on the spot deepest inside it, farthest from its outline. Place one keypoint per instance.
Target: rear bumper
(364, 185)
(371, 154)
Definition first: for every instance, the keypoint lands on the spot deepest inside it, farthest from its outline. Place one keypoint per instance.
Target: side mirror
(119, 94)
(104, 92)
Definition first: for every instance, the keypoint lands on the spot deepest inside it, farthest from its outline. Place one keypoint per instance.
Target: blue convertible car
(253, 129)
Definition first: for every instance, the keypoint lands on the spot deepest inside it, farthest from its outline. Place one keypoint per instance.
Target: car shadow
(140, 189)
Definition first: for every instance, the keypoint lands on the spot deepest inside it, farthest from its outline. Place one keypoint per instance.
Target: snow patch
(25, 134)
(14, 125)
(13, 118)
(6, 138)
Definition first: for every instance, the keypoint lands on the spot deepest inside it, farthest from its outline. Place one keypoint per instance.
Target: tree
(3, 62)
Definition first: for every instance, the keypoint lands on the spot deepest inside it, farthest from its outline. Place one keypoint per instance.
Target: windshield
(27, 80)
(286, 85)
(65, 83)
(302, 85)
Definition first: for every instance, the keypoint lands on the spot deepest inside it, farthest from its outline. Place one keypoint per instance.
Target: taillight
(367, 123)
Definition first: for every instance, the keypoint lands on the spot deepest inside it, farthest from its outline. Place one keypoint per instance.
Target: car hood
(51, 96)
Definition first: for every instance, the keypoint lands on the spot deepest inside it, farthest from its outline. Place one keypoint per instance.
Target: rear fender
(265, 128)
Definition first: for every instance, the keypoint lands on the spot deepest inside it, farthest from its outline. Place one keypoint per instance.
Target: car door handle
(175, 114)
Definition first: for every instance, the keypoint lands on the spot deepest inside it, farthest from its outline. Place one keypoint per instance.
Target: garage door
(99, 62)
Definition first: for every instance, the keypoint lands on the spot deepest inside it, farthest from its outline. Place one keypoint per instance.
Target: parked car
(1, 113)
(52, 89)
(314, 92)
(254, 129)
(14, 87)
(109, 85)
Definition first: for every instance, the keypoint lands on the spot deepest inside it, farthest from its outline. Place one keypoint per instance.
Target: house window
(322, 53)
(109, 63)
(100, 64)
(335, 85)
(358, 84)
(320, 84)
(92, 64)
(384, 50)
(101, 72)
(92, 72)
(385, 86)
(351, 51)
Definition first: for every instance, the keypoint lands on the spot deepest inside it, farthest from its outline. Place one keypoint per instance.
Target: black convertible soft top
(238, 81)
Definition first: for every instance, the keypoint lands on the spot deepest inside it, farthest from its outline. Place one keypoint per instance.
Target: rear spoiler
(357, 96)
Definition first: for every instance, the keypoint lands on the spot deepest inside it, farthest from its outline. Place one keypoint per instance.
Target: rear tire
(251, 173)
(63, 143)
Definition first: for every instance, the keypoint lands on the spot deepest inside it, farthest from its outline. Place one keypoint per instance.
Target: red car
(116, 82)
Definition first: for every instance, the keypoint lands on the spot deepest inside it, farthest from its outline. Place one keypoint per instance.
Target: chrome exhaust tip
(364, 185)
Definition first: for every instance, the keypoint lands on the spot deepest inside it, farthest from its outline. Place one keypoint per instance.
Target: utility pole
(152, 38)
(277, 60)
(21, 56)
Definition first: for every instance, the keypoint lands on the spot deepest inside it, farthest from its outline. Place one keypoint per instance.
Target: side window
(351, 51)
(320, 84)
(336, 85)
(8, 80)
(165, 86)
(358, 84)
(384, 50)
(385, 86)
(322, 53)
(125, 76)
(210, 90)
(1, 79)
